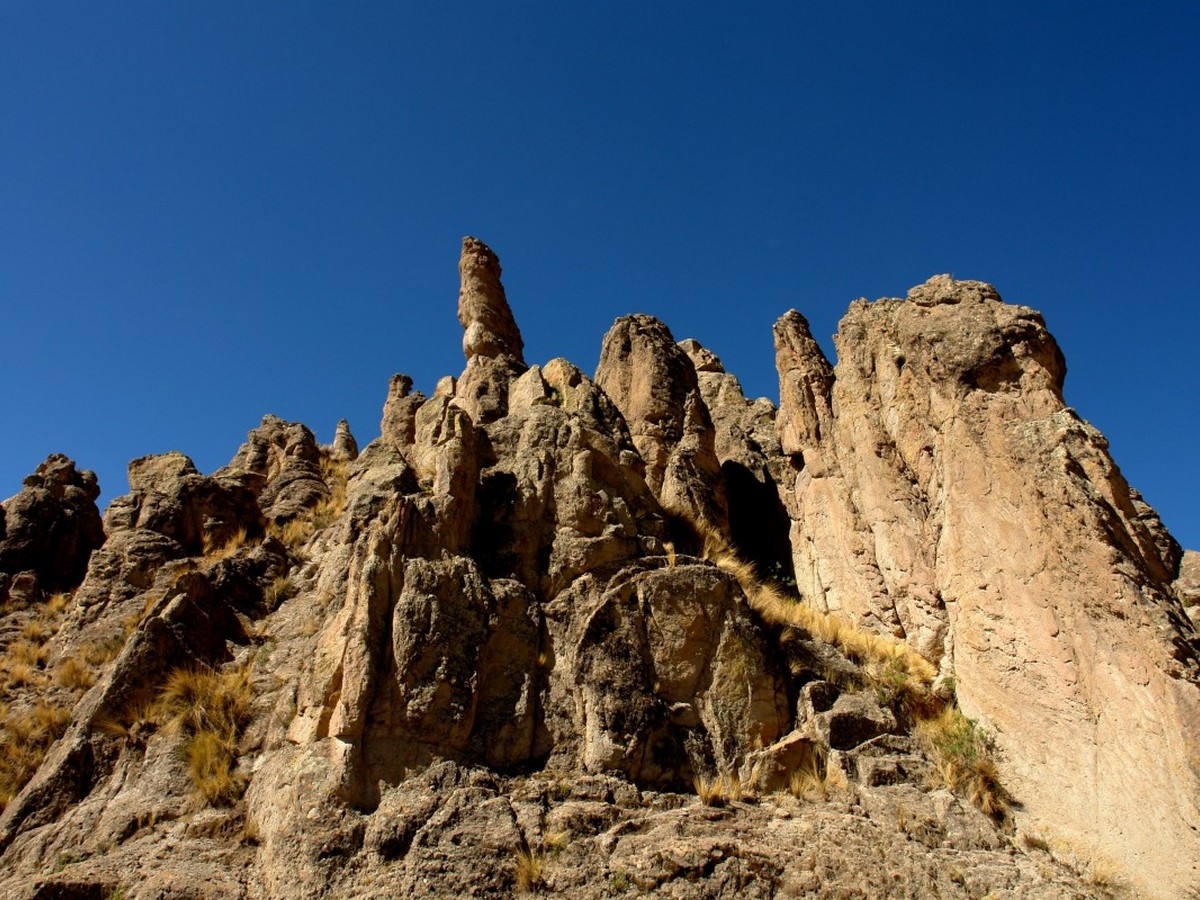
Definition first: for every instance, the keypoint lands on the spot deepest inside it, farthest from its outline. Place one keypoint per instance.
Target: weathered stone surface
(398, 425)
(1187, 585)
(948, 495)
(491, 340)
(52, 526)
(344, 446)
(485, 635)
(281, 464)
(756, 474)
(653, 383)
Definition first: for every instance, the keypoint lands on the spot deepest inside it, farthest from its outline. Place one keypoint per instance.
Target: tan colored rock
(949, 496)
(653, 383)
(344, 446)
(756, 474)
(483, 311)
(491, 340)
(398, 425)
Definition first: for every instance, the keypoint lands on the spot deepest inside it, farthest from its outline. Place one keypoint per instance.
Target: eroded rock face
(52, 526)
(948, 495)
(653, 383)
(485, 633)
(491, 340)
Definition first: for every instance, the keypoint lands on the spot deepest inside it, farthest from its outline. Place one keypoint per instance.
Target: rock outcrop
(49, 530)
(536, 637)
(948, 496)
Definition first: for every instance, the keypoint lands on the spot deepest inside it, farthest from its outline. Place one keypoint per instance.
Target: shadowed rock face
(491, 630)
(947, 495)
(52, 526)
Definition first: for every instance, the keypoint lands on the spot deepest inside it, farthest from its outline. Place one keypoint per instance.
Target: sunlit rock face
(947, 495)
(495, 650)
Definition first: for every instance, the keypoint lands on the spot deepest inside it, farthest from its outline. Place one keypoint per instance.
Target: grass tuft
(530, 872)
(718, 790)
(74, 674)
(209, 709)
(963, 757)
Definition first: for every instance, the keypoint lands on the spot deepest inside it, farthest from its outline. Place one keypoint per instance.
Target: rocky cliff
(909, 634)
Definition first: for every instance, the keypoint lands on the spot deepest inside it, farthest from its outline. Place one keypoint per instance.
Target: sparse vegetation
(296, 532)
(718, 790)
(25, 736)
(74, 674)
(215, 551)
(530, 871)
(900, 677)
(209, 709)
(964, 760)
(814, 779)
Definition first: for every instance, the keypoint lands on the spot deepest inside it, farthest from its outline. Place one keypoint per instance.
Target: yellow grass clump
(74, 674)
(216, 551)
(964, 760)
(778, 608)
(718, 790)
(209, 709)
(25, 736)
(530, 874)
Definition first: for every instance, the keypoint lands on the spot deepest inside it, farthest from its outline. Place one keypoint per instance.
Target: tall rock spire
(491, 330)
(491, 340)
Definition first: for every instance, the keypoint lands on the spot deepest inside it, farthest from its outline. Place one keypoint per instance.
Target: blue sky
(213, 211)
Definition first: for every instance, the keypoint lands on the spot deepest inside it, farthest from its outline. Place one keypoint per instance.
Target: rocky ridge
(539, 637)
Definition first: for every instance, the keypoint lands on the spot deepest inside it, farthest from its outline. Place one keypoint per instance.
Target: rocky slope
(540, 636)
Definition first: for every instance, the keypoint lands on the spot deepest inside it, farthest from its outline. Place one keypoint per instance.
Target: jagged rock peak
(483, 310)
(344, 445)
(945, 289)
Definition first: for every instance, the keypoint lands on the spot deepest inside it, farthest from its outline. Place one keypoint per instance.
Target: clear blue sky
(212, 211)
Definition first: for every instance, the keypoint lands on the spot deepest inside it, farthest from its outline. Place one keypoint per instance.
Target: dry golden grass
(28, 652)
(58, 602)
(718, 789)
(25, 736)
(296, 532)
(530, 872)
(778, 608)
(18, 674)
(815, 779)
(74, 674)
(216, 552)
(964, 760)
(101, 652)
(899, 675)
(37, 631)
(209, 709)
(280, 589)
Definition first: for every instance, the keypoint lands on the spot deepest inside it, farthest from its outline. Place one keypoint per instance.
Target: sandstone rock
(344, 446)
(200, 513)
(52, 526)
(281, 464)
(652, 381)
(398, 425)
(1187, 585)
(483, 311)
(491, 657)
(755, 472)
(949, 496)
(491, 341)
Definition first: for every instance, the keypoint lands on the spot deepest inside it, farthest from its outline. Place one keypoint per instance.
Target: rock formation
(537, 636)
(955, 501)
(49, 530)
